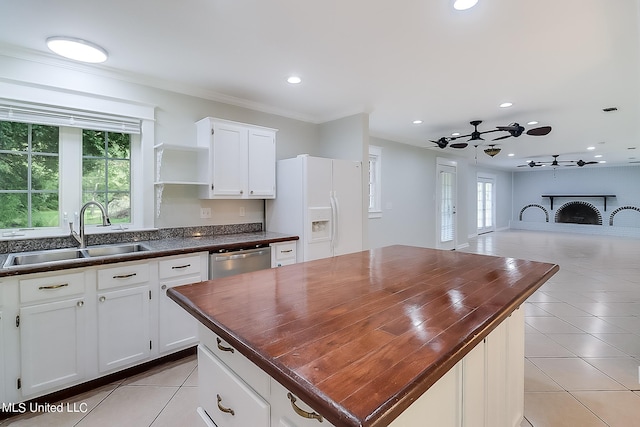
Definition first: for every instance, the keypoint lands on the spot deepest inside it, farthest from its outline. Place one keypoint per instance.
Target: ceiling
(559, 62)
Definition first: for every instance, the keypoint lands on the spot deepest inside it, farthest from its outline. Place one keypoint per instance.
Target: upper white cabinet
(241, 162)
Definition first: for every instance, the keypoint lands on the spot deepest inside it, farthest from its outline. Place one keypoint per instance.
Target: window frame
(375, 180)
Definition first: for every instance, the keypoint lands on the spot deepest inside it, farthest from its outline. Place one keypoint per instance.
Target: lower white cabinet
(176, 328)
(283, 253)
(52, 322)
(228, 400)
(287, 410)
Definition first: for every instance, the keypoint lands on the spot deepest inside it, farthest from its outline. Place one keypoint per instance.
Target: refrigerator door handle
(335, 209)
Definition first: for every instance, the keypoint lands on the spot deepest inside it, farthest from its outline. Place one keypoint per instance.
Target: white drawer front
(51, 287)
(221, 391)
(285, 251)
(125, 275)
(250, 373)
(182, 266)
(288, 410)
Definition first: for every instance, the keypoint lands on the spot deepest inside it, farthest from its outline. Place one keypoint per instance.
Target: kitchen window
(53, 160)
(375, 182)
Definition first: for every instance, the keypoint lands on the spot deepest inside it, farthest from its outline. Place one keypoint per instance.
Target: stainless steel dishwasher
(227, 263)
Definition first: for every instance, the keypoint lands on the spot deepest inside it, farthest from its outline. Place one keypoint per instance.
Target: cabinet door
(226, 399)
(229, 159)
(177, 328)
(262, 164)
(496, 375)
(515, 368)
(123, 327)
(52, 344)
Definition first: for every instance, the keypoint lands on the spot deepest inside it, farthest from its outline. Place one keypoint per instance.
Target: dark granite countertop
(159, 248)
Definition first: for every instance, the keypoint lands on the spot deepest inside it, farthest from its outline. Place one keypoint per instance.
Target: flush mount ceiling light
(294, 80)
(77, 49)
(506, 104)
(464, 4)
(417, 122)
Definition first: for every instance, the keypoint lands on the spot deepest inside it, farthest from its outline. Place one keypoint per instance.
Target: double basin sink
(54, 255)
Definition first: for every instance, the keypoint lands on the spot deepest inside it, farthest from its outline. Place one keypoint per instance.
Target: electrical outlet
(241, 210)
(205, 212)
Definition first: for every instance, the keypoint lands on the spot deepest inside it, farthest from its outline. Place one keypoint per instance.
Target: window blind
(57, 116)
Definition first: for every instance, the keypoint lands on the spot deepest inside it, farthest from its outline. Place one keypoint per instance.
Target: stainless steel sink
(41, 257)
(55, 255)
(116, 249)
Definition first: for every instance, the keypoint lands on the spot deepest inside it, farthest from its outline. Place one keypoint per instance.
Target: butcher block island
(397, 336)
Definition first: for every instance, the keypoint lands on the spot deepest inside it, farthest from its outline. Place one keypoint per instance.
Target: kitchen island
(364, 338)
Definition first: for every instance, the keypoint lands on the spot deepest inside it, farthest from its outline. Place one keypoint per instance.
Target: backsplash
(27, 245)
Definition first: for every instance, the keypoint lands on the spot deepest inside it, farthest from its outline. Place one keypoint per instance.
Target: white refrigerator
(320, 200)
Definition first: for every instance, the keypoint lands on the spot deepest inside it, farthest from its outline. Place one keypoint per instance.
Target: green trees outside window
(106, 175)
(29, 181)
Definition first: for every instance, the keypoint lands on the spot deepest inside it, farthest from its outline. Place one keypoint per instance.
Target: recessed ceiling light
(77, 49)
(464, 4)
(597, 156)
(591, 148)
(602, 161)
(532, 123)
(510, 154)
(506, 105)
(417, 122)
(294, 80)
(455, 134)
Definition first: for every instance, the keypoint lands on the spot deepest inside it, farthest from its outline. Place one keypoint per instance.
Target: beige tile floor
(582, 341)
(582, 346)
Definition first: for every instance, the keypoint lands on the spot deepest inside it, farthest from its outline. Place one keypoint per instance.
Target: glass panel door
(486, 204)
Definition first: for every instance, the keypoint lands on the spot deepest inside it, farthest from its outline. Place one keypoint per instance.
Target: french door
(486, 203)
(446, 205)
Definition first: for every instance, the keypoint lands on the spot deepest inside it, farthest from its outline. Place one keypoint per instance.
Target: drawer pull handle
(287, 251)
(180, 266)
(222, 408)
(223, 348)
(125, 276)
(301, 412)
(46, 288)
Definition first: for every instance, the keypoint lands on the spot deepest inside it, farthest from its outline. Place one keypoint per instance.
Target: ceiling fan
(556, 162)
(514, 130)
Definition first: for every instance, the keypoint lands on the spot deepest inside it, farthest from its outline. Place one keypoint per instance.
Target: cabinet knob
(102, 299)
(251, 191)
(163, 287)
(80, 303)
(241, 191)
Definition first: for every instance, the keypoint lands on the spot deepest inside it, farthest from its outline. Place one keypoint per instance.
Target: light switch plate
(205, 212)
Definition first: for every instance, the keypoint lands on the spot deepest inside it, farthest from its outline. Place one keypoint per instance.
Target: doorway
(446, 204)
(486, 203)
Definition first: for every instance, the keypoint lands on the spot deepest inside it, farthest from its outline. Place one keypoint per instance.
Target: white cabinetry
(179, 165)
(2, 347)
(123, 315)
(283, 253)
(287, 410)
(176, 328)
(53, 332)
(242, 159)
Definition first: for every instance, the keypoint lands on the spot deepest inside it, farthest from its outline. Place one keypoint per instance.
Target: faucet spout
(105, 222)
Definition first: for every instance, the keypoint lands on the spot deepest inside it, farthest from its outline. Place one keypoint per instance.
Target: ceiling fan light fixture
(492, 151)
(464, 4)
(77, 49)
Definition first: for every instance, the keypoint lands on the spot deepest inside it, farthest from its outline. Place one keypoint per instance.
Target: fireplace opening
(578, 213)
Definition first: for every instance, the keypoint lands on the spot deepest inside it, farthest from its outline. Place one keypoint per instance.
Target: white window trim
(375, 153)
(142, 165)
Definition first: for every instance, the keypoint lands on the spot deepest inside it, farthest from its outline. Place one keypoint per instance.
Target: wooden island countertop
(360, 337)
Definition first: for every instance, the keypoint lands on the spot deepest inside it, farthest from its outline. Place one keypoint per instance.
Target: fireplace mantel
(604, 197)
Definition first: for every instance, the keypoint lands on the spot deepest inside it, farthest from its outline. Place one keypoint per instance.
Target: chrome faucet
(105, 222)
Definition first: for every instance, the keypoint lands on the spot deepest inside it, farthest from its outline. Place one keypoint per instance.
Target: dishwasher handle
(241, 254)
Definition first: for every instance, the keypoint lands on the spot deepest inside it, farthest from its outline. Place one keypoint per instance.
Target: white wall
(623, 181)
(408, 196)
(175, 117)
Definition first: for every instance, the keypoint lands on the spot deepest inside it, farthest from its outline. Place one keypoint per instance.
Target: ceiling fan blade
(459, 145)
(541, 131)
(502, 137)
